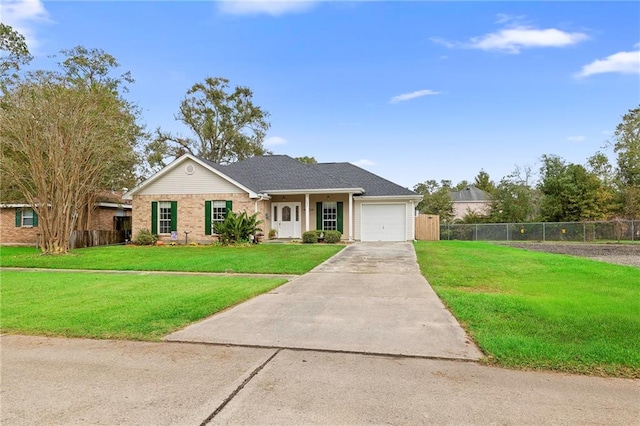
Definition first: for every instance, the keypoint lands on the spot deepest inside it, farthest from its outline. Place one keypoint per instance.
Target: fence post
(544, 232)
(507, 232)
(584, 232)
(476, 236)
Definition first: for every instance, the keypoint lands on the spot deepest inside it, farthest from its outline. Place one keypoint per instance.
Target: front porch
(290, 215)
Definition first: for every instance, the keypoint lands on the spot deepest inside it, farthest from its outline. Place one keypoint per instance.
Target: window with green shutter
(329, 216)
(26, 217)
(164, 217)
(215, 211)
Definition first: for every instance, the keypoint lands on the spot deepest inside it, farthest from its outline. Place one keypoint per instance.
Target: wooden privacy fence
(428, 227)
(81, 239)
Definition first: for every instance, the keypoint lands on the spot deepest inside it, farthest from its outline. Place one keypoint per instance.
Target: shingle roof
(470, 193)
(372, 184)
(281, 172)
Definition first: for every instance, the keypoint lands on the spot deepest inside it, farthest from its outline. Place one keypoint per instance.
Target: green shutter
(207, 218)
(319, 215)
(154, 217)
(35, 219)
(18, 218)
(228, 206)
(174, 215)
(340, 221)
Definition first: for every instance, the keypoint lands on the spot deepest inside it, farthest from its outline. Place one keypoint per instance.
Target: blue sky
(408, 90)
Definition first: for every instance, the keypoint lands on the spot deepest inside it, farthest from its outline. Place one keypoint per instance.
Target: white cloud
(503, 18)
(621, 62)
(268, 7)
(576, 138)
(512, 39)
(363, 163)
(413, 95)
(22, 15)
(275, 140)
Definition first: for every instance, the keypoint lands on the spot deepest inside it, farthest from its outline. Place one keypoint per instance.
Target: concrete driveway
(370, 299)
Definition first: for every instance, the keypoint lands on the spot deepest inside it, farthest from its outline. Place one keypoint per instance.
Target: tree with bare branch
(63, 142)
(226, 126)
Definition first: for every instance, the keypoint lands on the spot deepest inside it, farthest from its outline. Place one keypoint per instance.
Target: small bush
(309, 237)
(332, 237)
(319, 233)
(146, 238)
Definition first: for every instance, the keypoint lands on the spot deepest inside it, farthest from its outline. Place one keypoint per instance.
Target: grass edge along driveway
(117, 306)
(540, 311)
(291, 259)
(138, 307)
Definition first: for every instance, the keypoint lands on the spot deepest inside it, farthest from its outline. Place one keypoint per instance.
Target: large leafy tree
(225, 124)
(513, 199)
(483, 181)
(571, 192)
(65, 138)
(13, 53)
(626, 145)
(436, 198)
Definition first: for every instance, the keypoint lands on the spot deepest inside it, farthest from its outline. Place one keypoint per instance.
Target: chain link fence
(615, 230)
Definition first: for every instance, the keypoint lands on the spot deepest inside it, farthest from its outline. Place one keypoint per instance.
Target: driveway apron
(369, 298)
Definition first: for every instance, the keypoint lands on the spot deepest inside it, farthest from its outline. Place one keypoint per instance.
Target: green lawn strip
(535, 310)
(116, 306)
(259, 259)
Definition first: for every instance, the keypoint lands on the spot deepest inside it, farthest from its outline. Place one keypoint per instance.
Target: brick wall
(10, 234)
(102, 218)
(190, 213)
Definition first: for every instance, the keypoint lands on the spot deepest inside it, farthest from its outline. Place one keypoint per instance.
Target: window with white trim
(218, 211)
(164, 217)
(330, 216)
(27, 217)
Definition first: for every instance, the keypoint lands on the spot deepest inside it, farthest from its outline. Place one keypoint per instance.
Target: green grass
(534, 310)
(261, 258)
(116, 306)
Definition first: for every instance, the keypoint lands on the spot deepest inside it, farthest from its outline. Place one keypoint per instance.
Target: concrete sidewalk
(80, 381)
(370, 298)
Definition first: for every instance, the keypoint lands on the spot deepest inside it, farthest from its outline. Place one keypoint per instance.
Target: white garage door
(383, 222)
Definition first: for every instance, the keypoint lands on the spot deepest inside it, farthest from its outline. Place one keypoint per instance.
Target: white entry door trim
(285, 218)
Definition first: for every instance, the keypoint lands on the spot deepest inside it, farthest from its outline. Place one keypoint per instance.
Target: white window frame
(218, 212)
(23, 216)
(164, 223)
(330, 216)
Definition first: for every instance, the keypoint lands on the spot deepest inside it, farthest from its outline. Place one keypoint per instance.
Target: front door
(285, 218)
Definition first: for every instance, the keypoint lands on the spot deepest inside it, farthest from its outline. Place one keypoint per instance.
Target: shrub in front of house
(237, 228)
(332, 237)
(145, 238)
(309, 237)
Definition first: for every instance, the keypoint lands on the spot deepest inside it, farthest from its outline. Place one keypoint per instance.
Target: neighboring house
(470, 199)
(19, 222)
(191, 194)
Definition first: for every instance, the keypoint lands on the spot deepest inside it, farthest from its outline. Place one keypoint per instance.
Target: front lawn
(537, 310)
(260, 259)
(116, 306)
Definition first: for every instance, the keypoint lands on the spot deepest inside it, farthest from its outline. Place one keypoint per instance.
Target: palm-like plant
(237, 228)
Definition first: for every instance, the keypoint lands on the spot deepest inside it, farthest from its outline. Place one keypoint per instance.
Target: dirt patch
(621, 254)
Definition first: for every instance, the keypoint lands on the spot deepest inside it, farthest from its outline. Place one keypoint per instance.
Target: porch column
(350, 216)
(306, 212)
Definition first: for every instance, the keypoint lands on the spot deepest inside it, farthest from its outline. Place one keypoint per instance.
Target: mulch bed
(621, 254)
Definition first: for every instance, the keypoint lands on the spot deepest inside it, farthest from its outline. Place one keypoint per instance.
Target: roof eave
(314, 191)
(390, 197)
